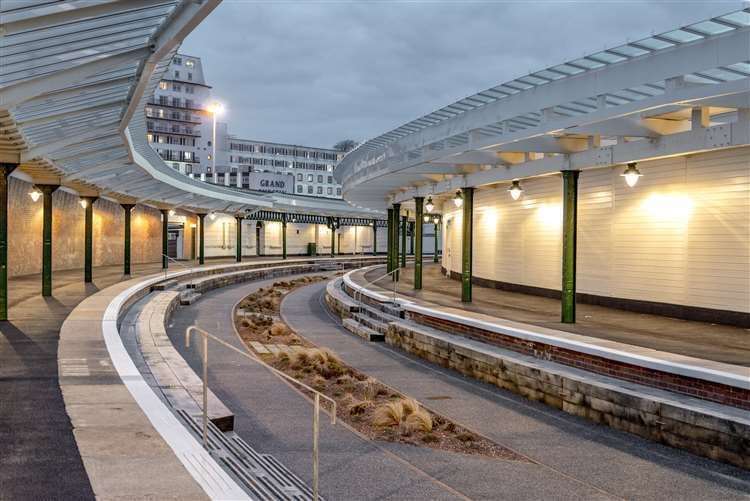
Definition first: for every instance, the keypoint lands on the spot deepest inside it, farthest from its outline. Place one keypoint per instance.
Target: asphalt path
(571, 458)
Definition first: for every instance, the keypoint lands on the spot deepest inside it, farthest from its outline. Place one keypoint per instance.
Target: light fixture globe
(515, 189)
(215, 108)
(35, 194)
(631, 174)
(429, 205)
(458, 199)
(212, 215)
(171, 212)
(436, 219)
(84, 203)
(426, 218)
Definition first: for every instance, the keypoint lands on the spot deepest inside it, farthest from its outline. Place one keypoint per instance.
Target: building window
(176, 87)
(299, 188)
(310, 190)
(330, 190)
(299, 177)
(338, 191)
(178, 61)
(163, 85)
(320, 178)
(150, 138)
(190, 76)
(177, 74)
(320, 190)
(310, 178)
(330, 179)
(188, 168)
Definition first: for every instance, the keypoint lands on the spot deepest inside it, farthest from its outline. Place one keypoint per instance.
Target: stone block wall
(596, 398)
(25, 232)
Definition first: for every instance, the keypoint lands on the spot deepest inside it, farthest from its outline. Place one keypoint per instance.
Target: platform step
(363, 331)
(188, 297)
(262, 475)
(162, 286)
(371, 323)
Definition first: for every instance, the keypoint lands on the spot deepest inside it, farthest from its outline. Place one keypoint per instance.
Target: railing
(173, 260)
(317, 395)
(394, 272)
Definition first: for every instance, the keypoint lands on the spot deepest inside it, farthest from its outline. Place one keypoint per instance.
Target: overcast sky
(315, 72)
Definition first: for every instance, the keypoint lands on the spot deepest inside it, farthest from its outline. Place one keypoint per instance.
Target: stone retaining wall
(705, 428)
(705, 390)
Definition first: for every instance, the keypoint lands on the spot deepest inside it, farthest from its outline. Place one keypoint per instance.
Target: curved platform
(131, 443)
(627, 387)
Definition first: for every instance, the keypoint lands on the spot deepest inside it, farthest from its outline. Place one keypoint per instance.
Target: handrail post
(205, 391)
(316, 423)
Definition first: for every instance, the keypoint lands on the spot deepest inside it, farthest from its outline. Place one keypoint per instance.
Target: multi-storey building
(180, 130)
(178, 125)
(309, 170)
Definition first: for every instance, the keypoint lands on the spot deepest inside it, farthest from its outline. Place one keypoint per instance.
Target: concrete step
(162, 286)
(363, 331)
(188, 297)
(262, 475)
(371, 322)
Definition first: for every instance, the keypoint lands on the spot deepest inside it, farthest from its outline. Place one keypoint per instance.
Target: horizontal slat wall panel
(681, 235)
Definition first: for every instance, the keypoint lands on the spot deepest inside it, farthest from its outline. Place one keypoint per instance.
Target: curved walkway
(598, 458)
(578, 460)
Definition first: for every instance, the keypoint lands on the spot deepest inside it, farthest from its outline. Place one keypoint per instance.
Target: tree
(345, 145)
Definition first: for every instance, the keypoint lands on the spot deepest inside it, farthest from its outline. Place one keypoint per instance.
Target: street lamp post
(215, 108)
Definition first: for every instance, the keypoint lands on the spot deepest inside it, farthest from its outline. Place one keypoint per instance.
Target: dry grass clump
(419, 420)
(280, 329)
(322, 361)
(370, 389)
(389, 414)
(406, 414)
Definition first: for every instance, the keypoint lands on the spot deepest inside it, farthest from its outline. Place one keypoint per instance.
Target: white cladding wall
(220, 238)
(681, 235)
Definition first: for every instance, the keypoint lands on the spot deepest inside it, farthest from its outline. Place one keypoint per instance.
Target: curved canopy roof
(74, 79)
(703, 64)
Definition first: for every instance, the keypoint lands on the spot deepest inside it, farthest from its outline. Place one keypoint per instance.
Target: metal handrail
(191, 268)
(317, 395)
(358, 293)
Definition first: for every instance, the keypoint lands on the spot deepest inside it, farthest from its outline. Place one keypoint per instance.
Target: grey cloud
(316, 72)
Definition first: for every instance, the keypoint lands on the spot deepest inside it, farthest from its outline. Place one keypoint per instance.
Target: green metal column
(164, 234)
(374, 237)
(394, 248)
(283, 236)
(332, 225)
(417, 236)
(88, 245)
(5, 170)
(404, 222)
(126, 253)
(570, 224)
(47, 191)
(201, 239)
(412, 225)
(466, 244)
(238, 230)
(435, 253)
(389, 242)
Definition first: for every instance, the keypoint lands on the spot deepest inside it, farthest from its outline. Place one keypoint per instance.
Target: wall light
(35, 194)
(84, 203)
(429, 205)
(458, 199)
(631, 174)
(426, 218)
(171, 213)
(515, 189)
(212, 215)
(436, 219)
